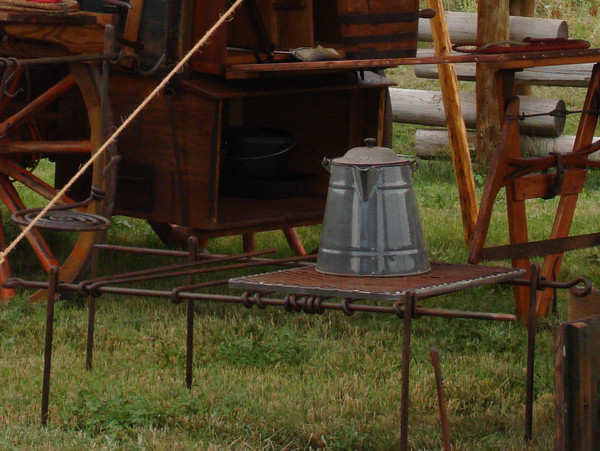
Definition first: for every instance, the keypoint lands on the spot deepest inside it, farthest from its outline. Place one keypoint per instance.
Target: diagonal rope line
(117, 132)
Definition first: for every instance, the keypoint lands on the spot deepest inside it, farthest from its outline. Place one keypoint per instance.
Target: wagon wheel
(32, 128)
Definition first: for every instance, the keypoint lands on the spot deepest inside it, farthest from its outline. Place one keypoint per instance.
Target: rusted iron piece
(166, 272)
(540, 247)
(52, 291)
(63, 220)
(534, 284)
(189, 348)
(526, 45)
(581, 285)
(443, 278)
(439, 385)
(410, 301)
(147, 274)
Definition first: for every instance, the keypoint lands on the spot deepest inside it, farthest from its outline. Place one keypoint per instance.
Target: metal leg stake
(90, 332)
(408, 311)
(52, 285)
(439, 385)
(531, 326)
(189, 357)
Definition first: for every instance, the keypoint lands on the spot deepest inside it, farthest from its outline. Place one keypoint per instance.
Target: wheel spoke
(10, 198)
(20, 174)
(5, 293)
(34, 147)
(37, 104)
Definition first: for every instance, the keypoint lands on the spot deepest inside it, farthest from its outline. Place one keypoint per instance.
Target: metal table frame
(308, 298)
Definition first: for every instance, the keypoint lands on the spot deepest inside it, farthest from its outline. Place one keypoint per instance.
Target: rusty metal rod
(143, 250)
(189, 348)
(131, 276)
(89, 351)
(201, 255)
(439, 385)
(230, 299)
(405, 395)
(52, 284)
(62, 59)
(531, 326)
(157, 273)
(582, 285)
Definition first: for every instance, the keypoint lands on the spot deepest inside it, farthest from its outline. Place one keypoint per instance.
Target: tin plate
(443, 278)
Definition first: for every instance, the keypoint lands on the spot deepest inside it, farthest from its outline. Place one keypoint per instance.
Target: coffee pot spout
(366, 180)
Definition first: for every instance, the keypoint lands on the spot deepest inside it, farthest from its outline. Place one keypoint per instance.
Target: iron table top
(443, 278)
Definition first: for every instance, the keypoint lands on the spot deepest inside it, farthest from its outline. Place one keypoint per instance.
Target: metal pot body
(371, 225)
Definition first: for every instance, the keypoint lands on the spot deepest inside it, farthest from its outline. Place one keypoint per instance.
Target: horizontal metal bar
(301, 302)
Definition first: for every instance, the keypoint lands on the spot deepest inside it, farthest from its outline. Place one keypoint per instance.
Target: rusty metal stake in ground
(439, 385)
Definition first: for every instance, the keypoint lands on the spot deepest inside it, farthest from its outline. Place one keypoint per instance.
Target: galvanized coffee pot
(371, 225)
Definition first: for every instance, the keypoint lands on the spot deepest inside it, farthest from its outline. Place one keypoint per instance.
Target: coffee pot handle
(325, 163)
(415, 163)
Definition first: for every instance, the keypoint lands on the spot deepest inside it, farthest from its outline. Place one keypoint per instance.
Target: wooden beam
(492, 26)
(457, 132)
(522, 8)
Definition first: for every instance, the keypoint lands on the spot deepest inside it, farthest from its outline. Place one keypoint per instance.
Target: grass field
(276, 380)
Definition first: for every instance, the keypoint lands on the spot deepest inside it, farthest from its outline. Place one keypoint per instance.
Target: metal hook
(11, 68)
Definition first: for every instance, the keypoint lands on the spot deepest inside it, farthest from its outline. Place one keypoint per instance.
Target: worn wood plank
(567, 204)
(457, 132)
(488, 117)
(132, 27)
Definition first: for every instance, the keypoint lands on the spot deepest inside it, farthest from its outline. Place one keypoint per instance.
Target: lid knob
(370, 142)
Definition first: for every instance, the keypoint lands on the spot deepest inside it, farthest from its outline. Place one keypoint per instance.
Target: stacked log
(433, 143)
(421, 107)
(463, 28)
(540, 134)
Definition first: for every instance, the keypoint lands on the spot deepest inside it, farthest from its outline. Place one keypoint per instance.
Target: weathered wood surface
(588, 123)
(570, 75)
(132, 27)
(433, 143)
(457, 132)
(580, 307)
(463, 28)
(577, 370)
(414, 106)
(488, 114)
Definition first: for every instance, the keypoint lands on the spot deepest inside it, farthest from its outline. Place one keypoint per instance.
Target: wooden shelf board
(221, 89)
(499, 61)
(258, 214)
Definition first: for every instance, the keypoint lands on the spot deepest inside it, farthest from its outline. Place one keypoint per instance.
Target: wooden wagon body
(172, 156)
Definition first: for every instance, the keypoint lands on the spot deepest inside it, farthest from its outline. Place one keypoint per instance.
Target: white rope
(114, 136)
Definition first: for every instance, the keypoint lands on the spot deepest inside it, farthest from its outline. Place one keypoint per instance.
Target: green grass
(276, 380)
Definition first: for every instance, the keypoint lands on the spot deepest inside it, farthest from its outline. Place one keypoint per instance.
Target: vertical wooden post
(492, 26)
(525, 8)
(457, 132)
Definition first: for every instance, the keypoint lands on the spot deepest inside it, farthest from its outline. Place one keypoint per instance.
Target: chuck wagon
(177, 164)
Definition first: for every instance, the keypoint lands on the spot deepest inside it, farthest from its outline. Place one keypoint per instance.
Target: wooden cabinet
(173, 154)
(173, 159)
(285, 24)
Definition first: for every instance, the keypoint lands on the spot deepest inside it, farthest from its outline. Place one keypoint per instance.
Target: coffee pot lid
(370, 155)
